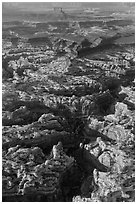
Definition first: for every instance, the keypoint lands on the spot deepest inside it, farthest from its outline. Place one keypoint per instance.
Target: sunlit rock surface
(68, 106)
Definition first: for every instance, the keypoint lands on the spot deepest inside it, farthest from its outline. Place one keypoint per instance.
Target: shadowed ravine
(68, 103)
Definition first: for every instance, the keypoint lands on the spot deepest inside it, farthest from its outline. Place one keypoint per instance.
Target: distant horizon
(41, 6)
(22, 10)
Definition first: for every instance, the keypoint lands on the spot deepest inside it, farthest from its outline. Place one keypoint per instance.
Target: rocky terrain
(68, 110)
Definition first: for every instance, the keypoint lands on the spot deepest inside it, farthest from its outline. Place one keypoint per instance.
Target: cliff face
(86, 47)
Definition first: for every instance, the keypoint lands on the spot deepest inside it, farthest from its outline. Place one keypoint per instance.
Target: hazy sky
(41, 6)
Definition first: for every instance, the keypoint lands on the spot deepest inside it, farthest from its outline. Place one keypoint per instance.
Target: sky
(16, 11)
(41, 6)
